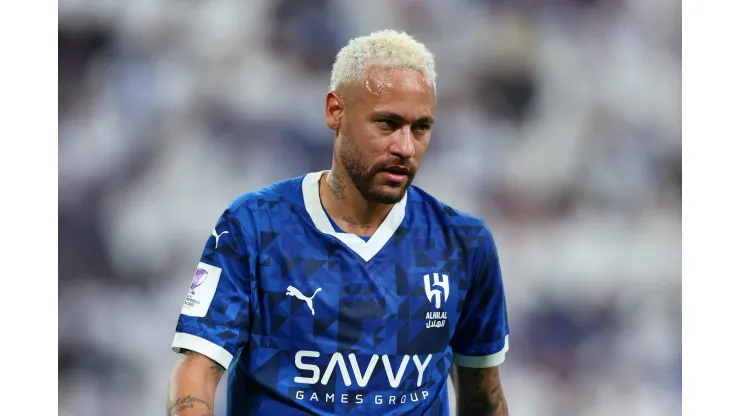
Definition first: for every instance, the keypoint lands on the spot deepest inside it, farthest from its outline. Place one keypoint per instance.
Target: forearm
(479, 392)
(191, 392)
(189, 400)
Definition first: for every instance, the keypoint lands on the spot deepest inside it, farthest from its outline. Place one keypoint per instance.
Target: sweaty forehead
(389, 86)
(385, 80)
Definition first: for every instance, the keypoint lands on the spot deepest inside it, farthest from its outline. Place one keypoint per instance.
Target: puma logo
(213, 233)
(309, 301)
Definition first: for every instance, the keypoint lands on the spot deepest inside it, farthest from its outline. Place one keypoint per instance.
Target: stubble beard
(362, 175)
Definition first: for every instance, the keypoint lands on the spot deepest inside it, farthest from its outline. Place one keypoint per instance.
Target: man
(349, 291)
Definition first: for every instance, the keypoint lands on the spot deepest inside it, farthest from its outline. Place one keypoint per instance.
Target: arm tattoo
(183, 403)
(336, 184)
(191, 355)
(217, 371)
(479, 392)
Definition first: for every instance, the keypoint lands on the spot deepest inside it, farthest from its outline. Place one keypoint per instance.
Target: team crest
(437, 288)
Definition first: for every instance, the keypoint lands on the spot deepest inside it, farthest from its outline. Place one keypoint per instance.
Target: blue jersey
(310, 320)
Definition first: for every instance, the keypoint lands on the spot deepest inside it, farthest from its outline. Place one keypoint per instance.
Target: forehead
(405, 91)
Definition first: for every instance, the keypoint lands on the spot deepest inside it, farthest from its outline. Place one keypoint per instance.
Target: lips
(397, 170)
(395, 174)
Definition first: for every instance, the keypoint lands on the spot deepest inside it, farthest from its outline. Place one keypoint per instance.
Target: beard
(363, 175)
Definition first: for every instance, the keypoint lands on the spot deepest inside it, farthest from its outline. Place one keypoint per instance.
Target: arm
(193, 384)
(213, 325)
(479, 392)
(481, 338)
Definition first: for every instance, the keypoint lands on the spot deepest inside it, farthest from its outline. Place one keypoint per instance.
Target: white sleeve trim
(484, 361)
(202, 346)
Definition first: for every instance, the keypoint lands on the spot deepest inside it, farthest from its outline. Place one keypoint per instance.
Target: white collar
(365, 249)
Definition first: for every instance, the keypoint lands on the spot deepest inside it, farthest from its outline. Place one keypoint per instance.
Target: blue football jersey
(310, 320)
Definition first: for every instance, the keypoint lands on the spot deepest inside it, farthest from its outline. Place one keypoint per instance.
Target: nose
(403, 144)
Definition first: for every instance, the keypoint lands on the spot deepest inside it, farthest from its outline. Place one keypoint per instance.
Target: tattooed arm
(479, 392)
(193, 386)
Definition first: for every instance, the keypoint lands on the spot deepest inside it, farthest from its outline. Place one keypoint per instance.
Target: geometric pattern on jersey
(320, 323)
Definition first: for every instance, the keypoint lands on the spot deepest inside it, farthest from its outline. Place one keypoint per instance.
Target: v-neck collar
(365, 249)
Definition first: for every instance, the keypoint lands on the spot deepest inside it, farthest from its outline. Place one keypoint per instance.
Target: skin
(193, 384)
(386, 121)
(382, 122)
(479, 391)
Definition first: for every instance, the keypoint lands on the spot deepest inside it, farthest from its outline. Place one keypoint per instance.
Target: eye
(388, 124)
(421, 127)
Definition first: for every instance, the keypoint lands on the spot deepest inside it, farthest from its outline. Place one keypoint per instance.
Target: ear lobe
(334, 110)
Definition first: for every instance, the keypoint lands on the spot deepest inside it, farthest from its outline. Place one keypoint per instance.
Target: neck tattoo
(336, 184)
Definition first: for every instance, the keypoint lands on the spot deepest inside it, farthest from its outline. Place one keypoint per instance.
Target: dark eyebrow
(426, 120)
(399, 118)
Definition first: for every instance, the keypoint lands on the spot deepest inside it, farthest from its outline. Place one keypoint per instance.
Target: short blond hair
(385, 49)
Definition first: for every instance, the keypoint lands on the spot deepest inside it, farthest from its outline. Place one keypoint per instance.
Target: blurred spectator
(558, 122)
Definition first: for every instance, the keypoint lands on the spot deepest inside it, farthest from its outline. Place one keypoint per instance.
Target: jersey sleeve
(481, 338)
(214, 320)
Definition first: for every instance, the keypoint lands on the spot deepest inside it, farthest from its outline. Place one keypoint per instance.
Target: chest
(321, 296)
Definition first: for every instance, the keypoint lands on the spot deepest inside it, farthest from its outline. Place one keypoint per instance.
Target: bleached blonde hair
(385, 49)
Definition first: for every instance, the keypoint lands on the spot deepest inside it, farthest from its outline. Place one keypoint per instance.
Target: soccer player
(349, 291)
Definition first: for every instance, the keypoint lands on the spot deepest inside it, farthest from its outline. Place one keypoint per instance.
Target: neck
(347, 206)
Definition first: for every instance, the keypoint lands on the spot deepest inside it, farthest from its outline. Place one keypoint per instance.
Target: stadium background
(558, 122)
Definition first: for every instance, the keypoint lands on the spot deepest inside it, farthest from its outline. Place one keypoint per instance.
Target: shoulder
(285, 191)
(425, 204)
(261, 209)
(470, 230)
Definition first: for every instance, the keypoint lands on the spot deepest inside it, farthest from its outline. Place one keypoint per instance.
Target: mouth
(395, 173)
(398, 170)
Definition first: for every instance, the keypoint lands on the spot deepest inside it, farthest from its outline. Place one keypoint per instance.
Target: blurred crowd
(559, 123)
